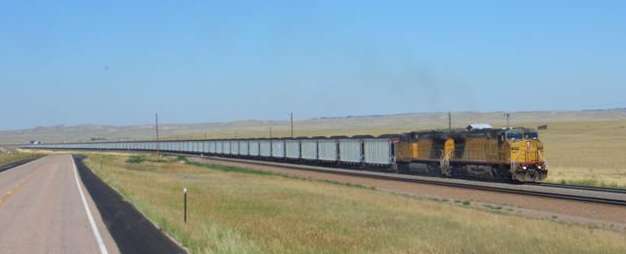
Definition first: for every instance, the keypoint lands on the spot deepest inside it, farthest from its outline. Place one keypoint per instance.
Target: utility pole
(156, 128)
(450, 121)
(291, 121)
(508, 120)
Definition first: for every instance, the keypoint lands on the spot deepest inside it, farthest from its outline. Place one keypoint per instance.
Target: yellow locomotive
(507, 154)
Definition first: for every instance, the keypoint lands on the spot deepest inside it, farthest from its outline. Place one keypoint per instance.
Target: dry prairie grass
(6, 158)
(587, 152)
(234, 210)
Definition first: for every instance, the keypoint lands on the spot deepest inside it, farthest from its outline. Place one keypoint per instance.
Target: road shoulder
(132, 232)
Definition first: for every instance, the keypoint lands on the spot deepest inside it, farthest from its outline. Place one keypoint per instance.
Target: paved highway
(45, 208)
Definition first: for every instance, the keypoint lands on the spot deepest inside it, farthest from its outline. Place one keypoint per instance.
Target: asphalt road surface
(45, 208)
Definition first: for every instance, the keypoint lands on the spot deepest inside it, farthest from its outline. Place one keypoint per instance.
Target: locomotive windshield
(513, 135)
(531, 135)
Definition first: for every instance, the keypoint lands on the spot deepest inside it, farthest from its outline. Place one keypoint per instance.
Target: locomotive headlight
(539, 167)
(524, 167)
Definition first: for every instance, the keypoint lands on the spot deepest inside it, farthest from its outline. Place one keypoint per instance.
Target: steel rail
(583, 187)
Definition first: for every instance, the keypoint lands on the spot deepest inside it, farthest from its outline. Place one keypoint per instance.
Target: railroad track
(583, 187)
(610, 196)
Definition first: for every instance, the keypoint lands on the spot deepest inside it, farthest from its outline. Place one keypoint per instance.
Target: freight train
(511, 154)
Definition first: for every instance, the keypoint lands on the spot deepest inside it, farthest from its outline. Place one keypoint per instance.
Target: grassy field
(9, 157)
(235, 210)
(587, 152)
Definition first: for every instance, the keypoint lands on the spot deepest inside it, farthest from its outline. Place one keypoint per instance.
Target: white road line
(94, 228)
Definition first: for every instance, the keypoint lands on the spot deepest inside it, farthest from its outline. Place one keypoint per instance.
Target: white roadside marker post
(185, 205)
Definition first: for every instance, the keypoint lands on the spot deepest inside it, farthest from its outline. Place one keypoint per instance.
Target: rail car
(513, 154)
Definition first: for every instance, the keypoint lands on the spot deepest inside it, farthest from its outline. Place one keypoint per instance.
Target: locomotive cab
(526, 155)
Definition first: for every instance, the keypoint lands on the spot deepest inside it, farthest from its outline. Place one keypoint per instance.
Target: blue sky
(117, 62)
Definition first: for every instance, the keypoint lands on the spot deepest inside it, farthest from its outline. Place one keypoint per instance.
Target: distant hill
(348, 125)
